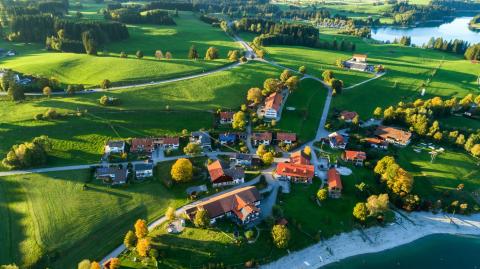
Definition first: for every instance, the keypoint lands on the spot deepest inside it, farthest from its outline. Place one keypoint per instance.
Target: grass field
(308, 102)
(89, 70)
(48, 220)
(143, 112)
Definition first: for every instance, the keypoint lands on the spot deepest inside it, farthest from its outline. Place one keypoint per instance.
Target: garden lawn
(150, 111)
(75, 68)
(308, 101)
(48, 220)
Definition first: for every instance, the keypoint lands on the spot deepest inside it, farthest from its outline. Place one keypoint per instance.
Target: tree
(239, 121)
(302, 69)
(255, 95)
(139, 54)
(271, 85)
(15, 92)
(261, 150)
(292, 83)
(211, 54)
(322, 194)
(170, 214)
(307, 150)
(182, 170)
(267, 158)
(192, 149)
(84, 264)
(95, 265)
(143, 246)
(337, 85)
(280, 236)
(168, 55)
(377, 112)
(47, 91)
(114, 263)
(285, 75)
(201, 219)
(377, 204)
(360, 211)
(130, 239)
(475, 150)
(233, 55)
(6, 80)
(89, 42)
(141, 229)
(159, 54)
(105, 84)
(356, 120)
(327, 76)
(192, 53)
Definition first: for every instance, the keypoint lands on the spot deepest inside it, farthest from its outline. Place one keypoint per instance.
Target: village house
(299, 157)
(115, 146)
(112, 175)
(393, 135)
(226, 117)
(222, 175)
(334, 183)
(201, 138)
(241, 159)
(286, 138)
(297, 173)
(376, 143)
(143, 170)
(227, 138)
(141, 145)
(348, 116)
(272, 106)
(358, 62)
(241, 205)
(337, 141)
(355, 157)
(264, 138)
(168, 142)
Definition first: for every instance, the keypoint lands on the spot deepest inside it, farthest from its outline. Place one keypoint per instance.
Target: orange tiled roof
(295, 170)
(274, 101)
(334, 180)
(355, 155)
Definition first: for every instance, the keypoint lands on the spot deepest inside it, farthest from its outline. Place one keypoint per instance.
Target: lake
(457, 29)
(440, 251)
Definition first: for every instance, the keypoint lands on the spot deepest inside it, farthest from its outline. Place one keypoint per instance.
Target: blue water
(435, 251)
(457, 29)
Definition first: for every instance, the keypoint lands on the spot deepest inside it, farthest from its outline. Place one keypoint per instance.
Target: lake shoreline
(402, 232)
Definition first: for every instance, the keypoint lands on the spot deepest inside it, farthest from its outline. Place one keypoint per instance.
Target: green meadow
(146, 111)
(90, 70)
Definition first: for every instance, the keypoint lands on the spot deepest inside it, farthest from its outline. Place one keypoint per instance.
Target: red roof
(226, 115)
(334, 180)
(287, 136)
(274, 101)
(171, 140)
(220, 173)
(348, 115)
(374, 140)
(354, 155)
(145, 144)
(398, 135)
(215, 170)
(299, 157)
(262, 136)
(295, 170)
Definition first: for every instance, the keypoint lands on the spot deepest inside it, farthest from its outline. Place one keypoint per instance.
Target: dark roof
(203, 137)
(114, 173)
(220, 172)
(242, 156)
(143, 166)
(116, 143)
(228, 137)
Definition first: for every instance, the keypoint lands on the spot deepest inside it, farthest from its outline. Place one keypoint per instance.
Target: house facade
(393, 135)
(222, 175)
(240, 205)
(337, 141)
(226, 117)
(142, 145)
(297, 173)
(241, 159)
(376, 143)
(168, 142)
(143, 170)
(264, 138)
(334, 183)
(273, 105)
(286, 138)
(355, 157)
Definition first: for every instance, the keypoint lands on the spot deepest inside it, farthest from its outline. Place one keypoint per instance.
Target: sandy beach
(354, 243)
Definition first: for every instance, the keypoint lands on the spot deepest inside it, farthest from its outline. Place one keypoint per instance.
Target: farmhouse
(337, 141)
(299, 157)
(240, 205)
(112, 175)
(376, 143)
(240, 159)
(227, 138)
(142, 145)
(356, 157)
(298, 173)
(222, 175)
(393, 135)
(273, 104)
(143, 170)
(168, 142)
(287, 138)
(264, 138)
(334, 183)
(115, 146)
(348, 116)
(226, 117)
(201, 138)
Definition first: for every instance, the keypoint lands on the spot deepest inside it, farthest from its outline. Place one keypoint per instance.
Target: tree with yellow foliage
(141, 229)
(95, 265)
(114, 263)
(143, 246)
(182, 170)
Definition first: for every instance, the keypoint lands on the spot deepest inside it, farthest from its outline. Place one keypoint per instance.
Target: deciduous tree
(255, 95)
(239, 121)
(141, 229)
(360, 211)
(170, 214)
(201, 218)
(192, 149)
(182, 170)
(280, 236)
(130, 239)
(47, 91)
(377, 204)
(143, 246)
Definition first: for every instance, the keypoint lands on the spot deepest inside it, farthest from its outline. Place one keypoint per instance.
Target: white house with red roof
(264, 138)
(286, 138)
(335, 186)
(355, 157)
(273, 104)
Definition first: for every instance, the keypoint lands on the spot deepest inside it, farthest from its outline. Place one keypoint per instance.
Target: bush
(105, 84)
(38, 116)
(109, 101)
